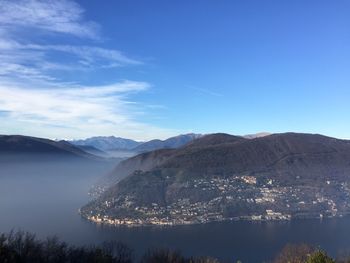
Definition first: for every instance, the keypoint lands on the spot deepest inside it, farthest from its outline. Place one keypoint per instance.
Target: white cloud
(77, 111)
(50, 15)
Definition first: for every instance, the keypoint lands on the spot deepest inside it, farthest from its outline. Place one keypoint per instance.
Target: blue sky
(153, 69)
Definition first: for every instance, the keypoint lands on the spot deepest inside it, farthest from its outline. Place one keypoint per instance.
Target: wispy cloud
(33, 60)
(77, 111)
(35, 98)
(22, 56)
(88, 55)
(55, 16)
(205, 91)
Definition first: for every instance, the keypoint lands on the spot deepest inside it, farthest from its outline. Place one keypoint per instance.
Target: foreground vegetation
(26, 248)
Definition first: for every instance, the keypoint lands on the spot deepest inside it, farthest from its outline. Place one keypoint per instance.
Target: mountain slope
(92, 150)
(222, 177)
(18, 146)
(151, 159)
(170, 143)
(143, 162)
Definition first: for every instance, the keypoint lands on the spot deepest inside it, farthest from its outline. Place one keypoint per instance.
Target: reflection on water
(45, 200)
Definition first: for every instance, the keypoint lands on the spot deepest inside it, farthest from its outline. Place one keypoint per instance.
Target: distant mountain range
(113, 144)
(223, 177)
(106, 143)
(91, 148)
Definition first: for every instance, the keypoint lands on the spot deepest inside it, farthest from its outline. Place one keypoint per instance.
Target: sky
(155, 69)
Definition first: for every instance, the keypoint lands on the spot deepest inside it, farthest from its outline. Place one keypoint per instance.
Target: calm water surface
(45, 201)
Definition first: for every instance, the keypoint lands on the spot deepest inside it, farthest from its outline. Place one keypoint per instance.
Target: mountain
(223, 177)
(170, 143)
(15, 147)
(106, 143)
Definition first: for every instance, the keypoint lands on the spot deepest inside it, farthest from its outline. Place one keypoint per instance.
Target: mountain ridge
(20, 145)
(107, 143)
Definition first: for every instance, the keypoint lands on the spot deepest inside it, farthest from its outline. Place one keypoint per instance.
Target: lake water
(45, 201)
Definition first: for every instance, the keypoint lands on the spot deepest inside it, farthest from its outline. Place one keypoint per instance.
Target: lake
(44, 199)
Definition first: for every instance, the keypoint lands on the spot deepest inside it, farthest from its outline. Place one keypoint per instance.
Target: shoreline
(131, 222)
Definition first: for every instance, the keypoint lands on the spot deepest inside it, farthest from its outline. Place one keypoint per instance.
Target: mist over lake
(44, 198)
